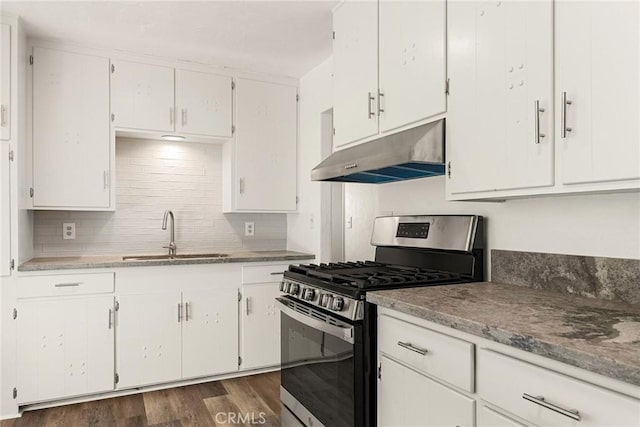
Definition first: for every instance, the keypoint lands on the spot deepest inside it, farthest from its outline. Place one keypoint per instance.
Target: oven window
(318, 370)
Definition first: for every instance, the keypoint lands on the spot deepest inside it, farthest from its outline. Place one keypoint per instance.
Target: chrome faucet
(172, 243)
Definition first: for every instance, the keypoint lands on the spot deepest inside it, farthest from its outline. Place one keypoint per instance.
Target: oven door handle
(345, 333)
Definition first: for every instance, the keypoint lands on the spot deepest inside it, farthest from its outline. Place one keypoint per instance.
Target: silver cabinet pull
(538, 111)
(67, 285)
(540, 400)
(110, 315)
(105, 178)
(179, 312)
(413, 348)
(370, 98)
(3, 117)
(563, 117)
(171, 115)
(186, 311)
(184, 116)
(241, 185)
(276, 273)
(247, 305)
(380, 109)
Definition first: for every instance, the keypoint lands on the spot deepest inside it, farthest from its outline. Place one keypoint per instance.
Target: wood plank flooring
(246, 401)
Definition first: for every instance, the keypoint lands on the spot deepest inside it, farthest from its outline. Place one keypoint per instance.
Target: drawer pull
(67, 285)
(276, 273)
(539, 400)
(411, 347)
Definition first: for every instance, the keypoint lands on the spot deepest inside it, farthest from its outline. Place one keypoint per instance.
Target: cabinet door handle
(563, 117)
(276, 273)
(241, 185)
(370, 99)
(380, 109)
(105, 178)
(184, 117)
(246, 305)
(179, 312)
(3, 118)
(171, 115)
(413, 348)
(574, 414)
(110, 316)
(67, 285)
(186, 311)
(538, 111)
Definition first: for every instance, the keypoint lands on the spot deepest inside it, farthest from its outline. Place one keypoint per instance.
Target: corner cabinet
(508, 135)
(389, 67)
(260, 163)
(73, 143)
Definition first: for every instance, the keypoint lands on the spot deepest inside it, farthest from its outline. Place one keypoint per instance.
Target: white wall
(596, 225)
(153, 176)
(360, 211)
(304, 227)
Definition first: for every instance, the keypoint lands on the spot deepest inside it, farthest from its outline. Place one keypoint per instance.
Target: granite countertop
(116, 261)
(597, 335)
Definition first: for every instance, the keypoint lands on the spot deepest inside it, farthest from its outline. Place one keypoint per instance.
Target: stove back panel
(469, 264)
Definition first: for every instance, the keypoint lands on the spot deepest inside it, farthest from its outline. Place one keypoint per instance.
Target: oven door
(319, 372)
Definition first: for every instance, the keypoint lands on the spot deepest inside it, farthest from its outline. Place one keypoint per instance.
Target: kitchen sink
(170, 257)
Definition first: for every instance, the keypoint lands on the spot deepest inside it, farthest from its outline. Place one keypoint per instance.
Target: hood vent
(411, 154)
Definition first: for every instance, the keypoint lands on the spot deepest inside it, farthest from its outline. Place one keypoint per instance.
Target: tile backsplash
(153, 176)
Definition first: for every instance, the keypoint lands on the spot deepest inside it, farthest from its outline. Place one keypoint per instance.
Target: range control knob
(338, 304)
(294, 288)
(308, 294)
(284, 287)
(325, 300)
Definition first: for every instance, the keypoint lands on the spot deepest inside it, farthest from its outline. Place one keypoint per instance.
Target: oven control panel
(344, 306)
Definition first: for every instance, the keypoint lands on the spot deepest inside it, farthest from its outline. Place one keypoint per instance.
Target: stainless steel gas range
(328, 330)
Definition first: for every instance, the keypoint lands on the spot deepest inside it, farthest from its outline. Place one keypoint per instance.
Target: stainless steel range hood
(414, 153)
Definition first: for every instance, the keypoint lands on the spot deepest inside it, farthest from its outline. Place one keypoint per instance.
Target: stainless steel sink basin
(170, 257)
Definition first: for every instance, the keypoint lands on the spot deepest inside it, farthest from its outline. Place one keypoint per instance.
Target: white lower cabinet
(408, 398)
(260, 326)
(149, 338)
(487, 417)
(209, 332)
(65, 347)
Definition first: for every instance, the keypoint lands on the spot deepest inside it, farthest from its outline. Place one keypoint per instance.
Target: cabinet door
(143, 96)
(500, 66)
(5, 211)
(412, 61)
(266, 146)
(487, 417)
(598, 66)
(203, 103)
(65, 347)
(210, 332)
(149, 338)
(71, 130)
(260, 326)
(406, 398)
(355, 71)
(5, 82)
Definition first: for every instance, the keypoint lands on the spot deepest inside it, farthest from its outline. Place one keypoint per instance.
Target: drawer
(65, 285)
(441, 356)
(544, 397)
(263, 273)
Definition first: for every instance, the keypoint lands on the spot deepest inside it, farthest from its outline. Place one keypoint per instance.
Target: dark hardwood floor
(246, 401)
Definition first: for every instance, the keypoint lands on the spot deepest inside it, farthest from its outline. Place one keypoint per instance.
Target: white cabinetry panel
(260, 326)
(143, 96)
(65, 347)
(5, 211)
(72, 138)
(203, 103)
(5, 82)
(149, 338)
(209, 332)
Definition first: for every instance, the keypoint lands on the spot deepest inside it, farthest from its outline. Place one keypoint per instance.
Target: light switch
(69, 230)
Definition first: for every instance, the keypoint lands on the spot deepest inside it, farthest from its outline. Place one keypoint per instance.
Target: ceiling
(276, 37)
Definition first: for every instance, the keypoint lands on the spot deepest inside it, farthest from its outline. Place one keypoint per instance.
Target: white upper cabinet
(143, 96)
(5, 82)
(355, 71)
(263, 175)
(412, 61)
(203, 104)
(389, 67)
(72, 139)
(598, 68)
(499, 133)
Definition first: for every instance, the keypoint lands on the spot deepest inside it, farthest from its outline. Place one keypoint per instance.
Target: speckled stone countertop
(115, 261)
(597, 335)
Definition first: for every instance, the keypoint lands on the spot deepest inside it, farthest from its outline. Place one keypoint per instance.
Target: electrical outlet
(249, 229)
(69, 231)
